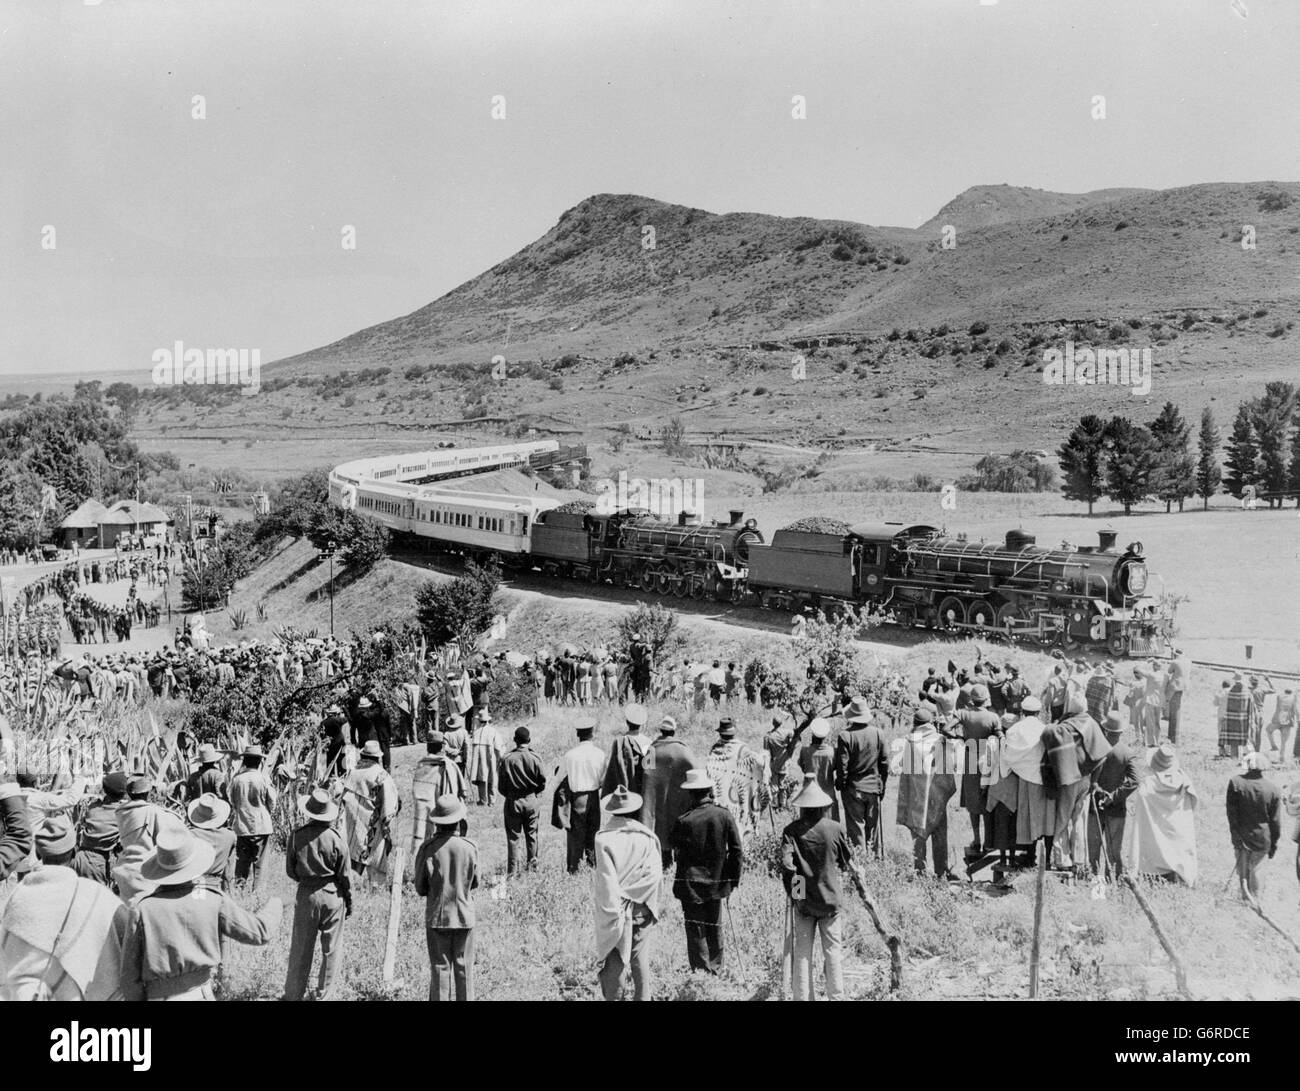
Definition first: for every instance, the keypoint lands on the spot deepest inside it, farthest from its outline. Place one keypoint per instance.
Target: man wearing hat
(252, 797)
(925, 784)
(817, 756)
(97, 842)
(1113, 781)
(457, 745)
(61, 935)
(208, 815)
(861, 770)
(137, 818)
(1014, 689)
(1254, 807)
(629, 871)
(739, 776)
(336, 733)
(1072, 749)
(667, 763)
(781, 742)
(583, 768)
(974, 725)
(706, 844)
(1160, 828)
(485, 749)
(207, 778)
(1100, 692)
(522, 782)
(814, 849)
(173, 944)
(446, 875)
(370, 803)
(626, 764)
(317, 860)
(435, 776)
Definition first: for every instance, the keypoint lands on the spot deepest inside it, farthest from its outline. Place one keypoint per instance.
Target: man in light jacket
(629, 871)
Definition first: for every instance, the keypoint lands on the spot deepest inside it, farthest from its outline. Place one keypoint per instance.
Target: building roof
(130, 512)
(86, 517)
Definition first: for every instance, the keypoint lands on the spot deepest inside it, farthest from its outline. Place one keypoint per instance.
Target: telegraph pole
(333, 545)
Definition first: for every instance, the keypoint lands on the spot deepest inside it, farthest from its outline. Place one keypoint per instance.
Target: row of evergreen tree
(1129, 463)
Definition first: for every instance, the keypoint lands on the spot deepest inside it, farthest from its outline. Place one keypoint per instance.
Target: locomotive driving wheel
(681, 586)
(663, 582)
(952, 611)
(981, 613)
(647, 580)
(1011, 614)
(1117, 645)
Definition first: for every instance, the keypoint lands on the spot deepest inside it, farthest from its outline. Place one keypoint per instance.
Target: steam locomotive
(635, 549)
(1072, 596)
(916, 575)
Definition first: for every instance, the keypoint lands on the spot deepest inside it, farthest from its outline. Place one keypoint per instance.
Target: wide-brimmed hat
(208, 754)
(1031, 704)
(811, 794)
(697, 780)
(334, 710)
(621, 801)
(820, 728)
(1114, 724)
(668, 725)
(55, 837)
(208, 812)
(727, 728)
(253, 751)
(365, 702)
(448, 810)
(858, 712)
(115, 784)
(178, 856)
(318, 806)
(1162, 759)
(635, 714)
(483, 717)
(372, 749)
(922, 716)
(585, 729)
(1256, 760)
(979, 695)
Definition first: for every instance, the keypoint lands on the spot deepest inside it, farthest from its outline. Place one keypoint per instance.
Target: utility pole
(333, 545)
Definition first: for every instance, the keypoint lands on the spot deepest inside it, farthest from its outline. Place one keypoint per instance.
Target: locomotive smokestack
(736, 516)
(1106, 540)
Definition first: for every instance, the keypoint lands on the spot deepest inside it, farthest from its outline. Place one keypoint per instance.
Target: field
(535, 933)
(535, 939)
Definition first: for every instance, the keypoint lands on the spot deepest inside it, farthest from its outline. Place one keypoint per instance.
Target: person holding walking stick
(814, 849)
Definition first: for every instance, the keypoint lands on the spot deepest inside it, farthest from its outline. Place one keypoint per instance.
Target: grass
(535, 933)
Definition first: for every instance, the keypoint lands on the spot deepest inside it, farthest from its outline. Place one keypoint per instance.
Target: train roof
(887, 532)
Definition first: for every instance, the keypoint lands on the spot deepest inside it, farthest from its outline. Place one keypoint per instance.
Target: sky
(227, 231)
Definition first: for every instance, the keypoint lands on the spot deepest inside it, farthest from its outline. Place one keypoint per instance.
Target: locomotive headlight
(1136, 578)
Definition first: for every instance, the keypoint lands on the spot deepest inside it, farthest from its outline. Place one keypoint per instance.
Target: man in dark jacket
(15, 829)
(98, 840)
(666, 765)
(861, 769)
(1113, 781)
(1254, 822)
(706, 844)
(317, 860)
(974, 724)
(626, 765)
(522, 780)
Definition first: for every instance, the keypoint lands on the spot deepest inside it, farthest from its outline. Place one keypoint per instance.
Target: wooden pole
(892, 941)
(1274, 925)
(1038, 919)
(1180, 974)
(394, 909)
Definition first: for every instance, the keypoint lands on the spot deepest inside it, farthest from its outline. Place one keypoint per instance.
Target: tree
(673, 437)
(1294, 480)
(1271, 416)
(1083, 461)
(1175, 476)
(362, 542)
(1130, 462)
(20, 505)
(657, 625)
(295, 505)
(1243, 454)
(126, 397)
(1208, 474)
(460, 611)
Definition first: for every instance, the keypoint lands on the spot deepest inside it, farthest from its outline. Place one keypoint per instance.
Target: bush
(461, 611)
(1274, 200)
(978, 328)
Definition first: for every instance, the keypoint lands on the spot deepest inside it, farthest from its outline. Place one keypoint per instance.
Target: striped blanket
(1241, 719)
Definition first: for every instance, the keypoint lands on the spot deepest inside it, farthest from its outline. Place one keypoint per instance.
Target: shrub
(1118, 331)
(978, 328)
(1121, 225)
(1274, 200)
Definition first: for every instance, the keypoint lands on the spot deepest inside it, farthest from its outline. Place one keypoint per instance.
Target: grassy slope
(535, 937)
